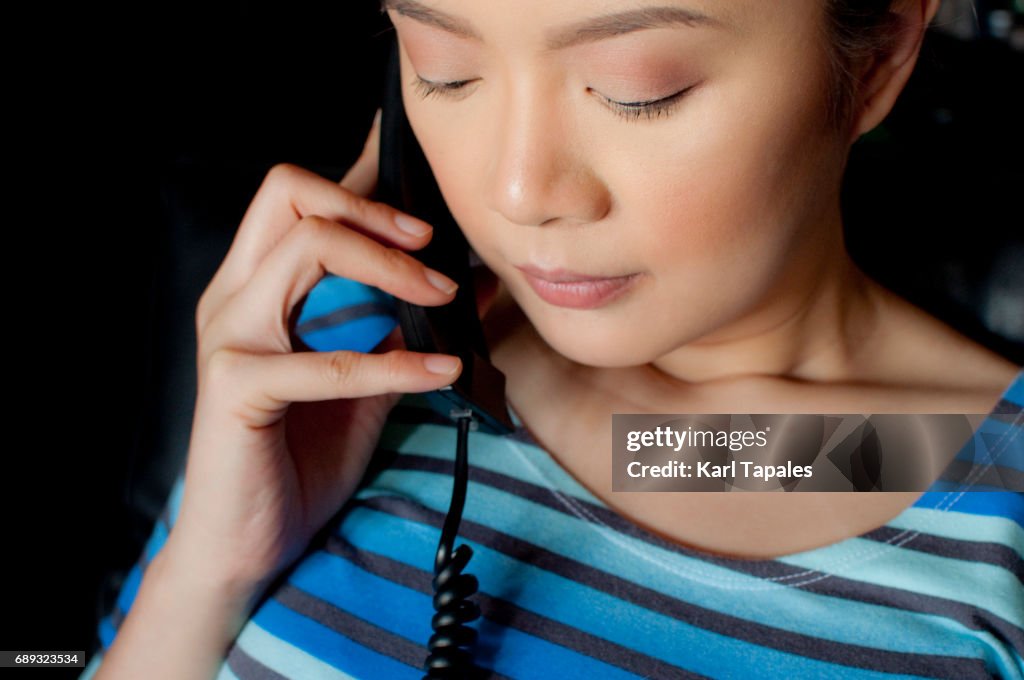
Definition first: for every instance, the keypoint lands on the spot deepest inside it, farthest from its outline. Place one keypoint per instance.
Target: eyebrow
(586, 31)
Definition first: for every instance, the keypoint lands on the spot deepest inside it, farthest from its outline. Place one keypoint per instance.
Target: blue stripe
(583, 607)
(1002, 446)
(1006, 504)
(325, 644)
(391, 606)
(107, 633)
(305, 646)
(1015, 393)
(408, 612)
(130, 588)
(962, 527)
(156, 541)
(90, 669)
(176, 496)
(706, 585)
(491, 452)
(1016, 666)
(282, 657)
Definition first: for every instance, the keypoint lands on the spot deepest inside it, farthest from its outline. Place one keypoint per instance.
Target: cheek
(454, 165)
(730, 179)
(453, 162)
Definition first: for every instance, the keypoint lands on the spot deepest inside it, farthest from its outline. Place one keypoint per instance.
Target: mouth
(573, 290)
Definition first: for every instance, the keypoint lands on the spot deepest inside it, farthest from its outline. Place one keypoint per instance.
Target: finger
(288, 194)
(267, 384)
(361, 178)
(257, 317)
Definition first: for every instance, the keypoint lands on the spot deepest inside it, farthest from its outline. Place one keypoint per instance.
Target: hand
(281, 438)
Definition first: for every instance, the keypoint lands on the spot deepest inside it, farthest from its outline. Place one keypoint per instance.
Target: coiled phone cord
(450, 646)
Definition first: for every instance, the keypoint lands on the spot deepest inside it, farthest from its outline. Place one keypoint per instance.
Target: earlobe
(887, 73)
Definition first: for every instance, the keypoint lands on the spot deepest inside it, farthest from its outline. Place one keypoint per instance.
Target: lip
(564, 288)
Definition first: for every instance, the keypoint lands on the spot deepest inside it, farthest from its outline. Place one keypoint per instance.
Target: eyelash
(627, 110)
(652, 108)
(426, 88)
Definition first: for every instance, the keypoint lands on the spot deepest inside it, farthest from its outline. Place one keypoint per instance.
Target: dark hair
(855, 31)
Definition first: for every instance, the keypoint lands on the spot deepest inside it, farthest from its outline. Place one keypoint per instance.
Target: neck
(813, 327)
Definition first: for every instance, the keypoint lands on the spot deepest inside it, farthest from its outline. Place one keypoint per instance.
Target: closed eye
(650, 108)
(452, 89)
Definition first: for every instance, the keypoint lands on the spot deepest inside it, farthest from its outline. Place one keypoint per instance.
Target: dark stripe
(967, 615)
(1006, 406)
(857, 656)
(996, 554)
(777, 571)
(543, 496)
(785, 574)
(248, 668)
(344, 315)
(769, 569)
(496, 610)
(359, 630)
(1001, 477)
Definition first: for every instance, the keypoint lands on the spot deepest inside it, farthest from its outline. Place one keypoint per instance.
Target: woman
(690, 155)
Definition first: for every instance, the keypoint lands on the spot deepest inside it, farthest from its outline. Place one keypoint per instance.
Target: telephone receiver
(405, 181)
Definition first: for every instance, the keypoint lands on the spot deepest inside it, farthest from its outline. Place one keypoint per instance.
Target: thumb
(361, 178)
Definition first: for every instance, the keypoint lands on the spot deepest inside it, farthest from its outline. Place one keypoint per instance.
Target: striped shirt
(571, 589)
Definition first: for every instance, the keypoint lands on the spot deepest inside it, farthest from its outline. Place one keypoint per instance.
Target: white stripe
(284, 658)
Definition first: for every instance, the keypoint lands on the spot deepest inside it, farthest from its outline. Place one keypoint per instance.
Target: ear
(885, 76)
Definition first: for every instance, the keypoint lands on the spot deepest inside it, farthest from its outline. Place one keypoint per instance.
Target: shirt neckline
(774, 569)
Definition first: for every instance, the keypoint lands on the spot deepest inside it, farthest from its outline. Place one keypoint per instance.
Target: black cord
(451, 644)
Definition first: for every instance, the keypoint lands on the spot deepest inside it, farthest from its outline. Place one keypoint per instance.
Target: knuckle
(396, 261)
(312, 228)
(223, 365)
(341, 366)
(357, 208)
(394, 366)
(281, 174)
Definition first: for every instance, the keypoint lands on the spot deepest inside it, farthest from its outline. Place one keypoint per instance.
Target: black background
(113, 106)
(122, 115)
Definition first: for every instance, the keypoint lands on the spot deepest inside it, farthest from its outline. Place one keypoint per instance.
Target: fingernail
(440, 281)
(411, 225)
(441, 364)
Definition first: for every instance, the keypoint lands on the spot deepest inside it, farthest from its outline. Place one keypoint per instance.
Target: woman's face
(721, 200)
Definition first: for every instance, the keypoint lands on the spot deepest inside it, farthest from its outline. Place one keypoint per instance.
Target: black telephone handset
(406, 182)
(477, 398)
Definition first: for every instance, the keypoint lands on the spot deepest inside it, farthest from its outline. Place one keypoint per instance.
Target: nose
(539, 171)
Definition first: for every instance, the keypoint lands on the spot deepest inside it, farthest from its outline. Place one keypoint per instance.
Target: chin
(594, 346)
